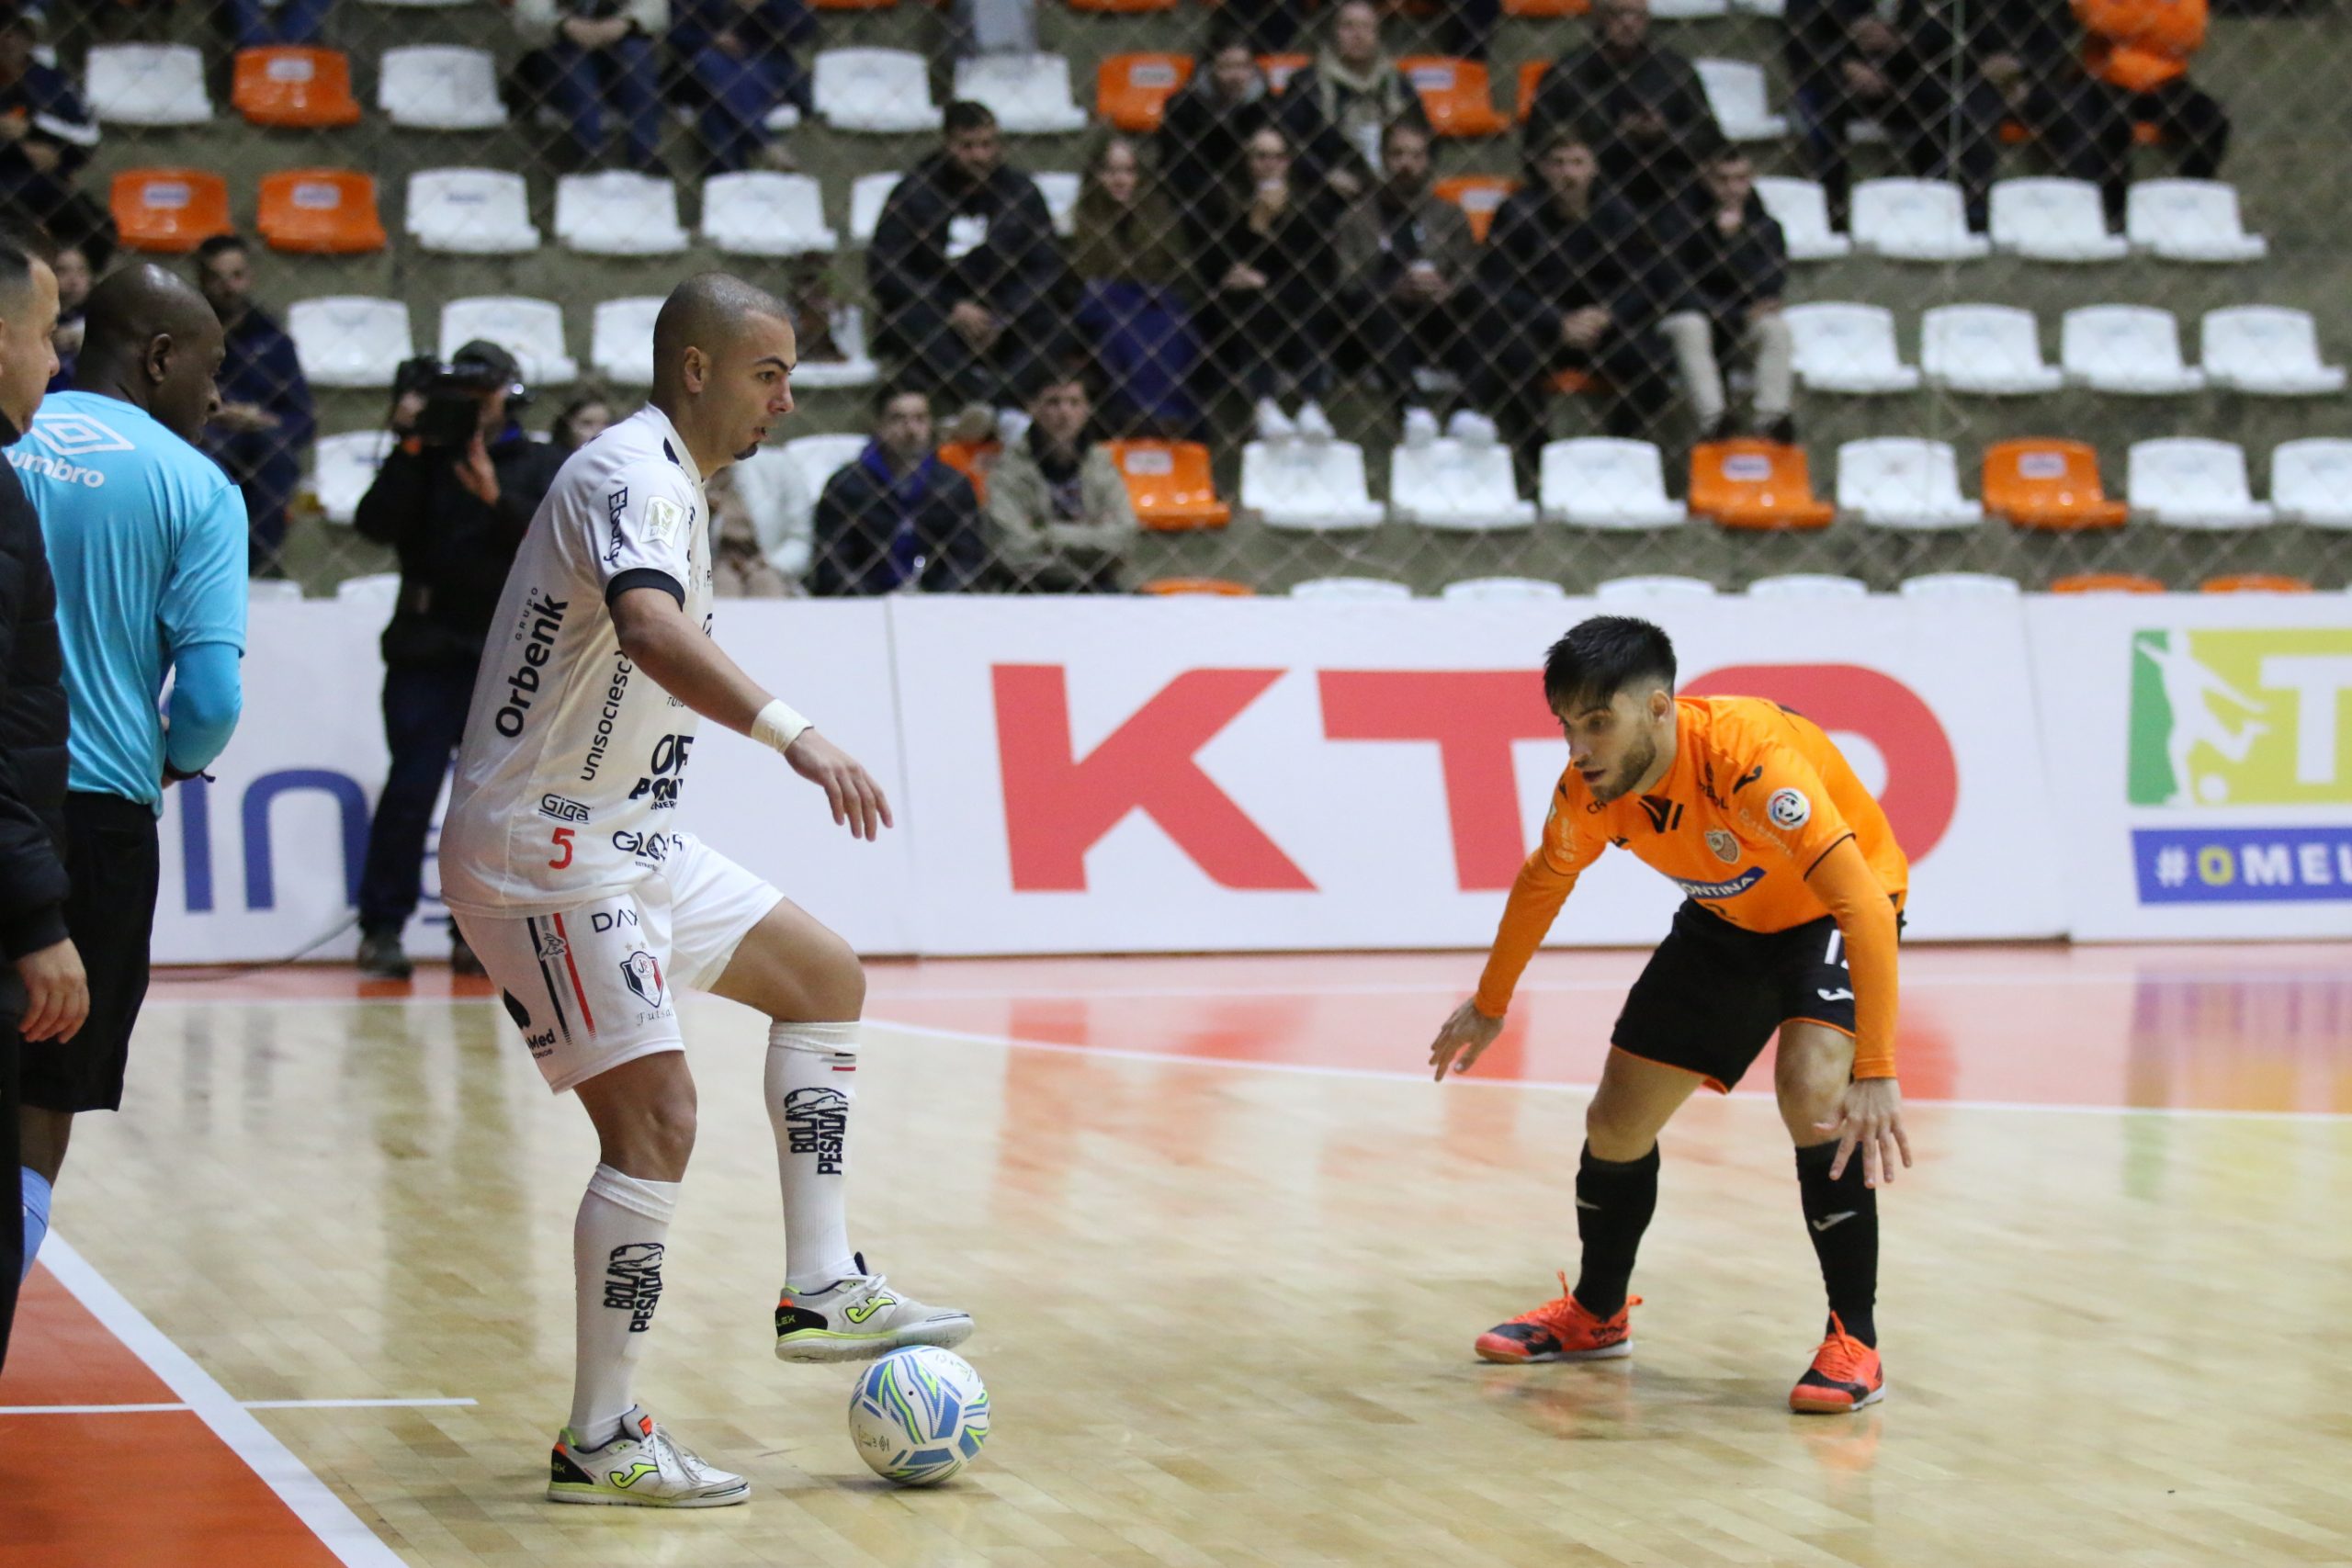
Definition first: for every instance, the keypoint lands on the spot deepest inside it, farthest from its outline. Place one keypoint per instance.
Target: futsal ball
(919, 1415)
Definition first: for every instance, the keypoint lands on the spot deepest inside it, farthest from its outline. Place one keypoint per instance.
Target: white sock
(811, 1085)
(618, 1244)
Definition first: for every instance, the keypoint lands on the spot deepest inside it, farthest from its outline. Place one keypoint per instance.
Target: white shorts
(591, 988)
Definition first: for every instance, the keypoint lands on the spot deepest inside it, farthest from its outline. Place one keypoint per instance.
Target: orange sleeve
(1572, 841)
(1844, 882)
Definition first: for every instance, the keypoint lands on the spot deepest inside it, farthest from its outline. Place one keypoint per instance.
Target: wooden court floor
(1228, 1249)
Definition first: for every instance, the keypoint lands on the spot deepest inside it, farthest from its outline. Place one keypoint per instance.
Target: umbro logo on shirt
(78, 435)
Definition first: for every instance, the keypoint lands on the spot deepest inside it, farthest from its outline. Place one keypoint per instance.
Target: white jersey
(569, 776)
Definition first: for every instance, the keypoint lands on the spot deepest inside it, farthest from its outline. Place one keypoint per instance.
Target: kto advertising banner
(2200, 761)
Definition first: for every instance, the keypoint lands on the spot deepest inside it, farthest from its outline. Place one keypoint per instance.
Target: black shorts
(111, 854)
(1713, 995)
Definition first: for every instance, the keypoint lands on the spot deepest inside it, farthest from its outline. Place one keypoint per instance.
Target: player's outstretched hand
(1870, 1117)
(1462, 1040)
(855, 798)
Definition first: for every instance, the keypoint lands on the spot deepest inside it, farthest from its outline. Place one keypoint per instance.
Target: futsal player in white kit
(564, 861)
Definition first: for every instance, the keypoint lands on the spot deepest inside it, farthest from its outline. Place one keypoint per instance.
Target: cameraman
(453, 498)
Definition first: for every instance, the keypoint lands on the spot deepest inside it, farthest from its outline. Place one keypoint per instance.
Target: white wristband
(778, 726)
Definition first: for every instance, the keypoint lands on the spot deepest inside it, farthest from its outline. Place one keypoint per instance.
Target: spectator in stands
(1335, 110)
(599, 53)
(965, 269)
(258, 23)
(1635, 102)
(738, 56)
(453, 499)
(2137, 52)
(47, 135)
(73, 281)
(266, 421)
(1737, 262)
(1132, 316)
(1268, 273)
(739, 566)
(1908, 72)
(1406, 264)
(580, 421)
(898, 518)
(1205, 128)
(1059, 517)
(1575, 282)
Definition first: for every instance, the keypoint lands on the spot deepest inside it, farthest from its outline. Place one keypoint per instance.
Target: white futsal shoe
(644, 1467)
(859, 1318)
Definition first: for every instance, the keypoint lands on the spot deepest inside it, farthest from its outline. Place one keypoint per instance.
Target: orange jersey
(1756, 800)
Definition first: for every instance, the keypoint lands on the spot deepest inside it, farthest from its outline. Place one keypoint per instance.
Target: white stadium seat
(2054, 220)
(440, 87)
(1309, 485)
(1808, 585)
(484, 212)
(2310, 482)
(1492, 589)
(616, 213)
(1904, 483)
(867, 196)
(878, 90)
(1914, 220)
(820, 456)
(272, 591)
(2132, 349)
(373, 595)
(348, 340)
(1452, 484)
(343, 467)
(530, 330)
(854, 369)
(1688, 10)
(1959, 585)
(620, 344)
(1734, 90)
(761, 213)
(1029, 93)
(2190, 220)
(1061, 190)
(1761, 7)
(775, 491)
(1849, 348)
(1801, 208)
(2189, 481)
(1360, 589)
(1656, 586)
(1990, 350)
(148, 84)
(2265, 349)
(1602, 481)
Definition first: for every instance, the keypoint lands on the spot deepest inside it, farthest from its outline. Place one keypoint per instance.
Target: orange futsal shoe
(1560, 1330)
(1844, 1376)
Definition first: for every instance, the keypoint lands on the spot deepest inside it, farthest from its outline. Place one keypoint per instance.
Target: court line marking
(247, 1403)
(305, 1495)
(1382, 1075)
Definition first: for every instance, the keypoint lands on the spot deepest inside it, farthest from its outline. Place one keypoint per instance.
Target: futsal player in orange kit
(1796, 888)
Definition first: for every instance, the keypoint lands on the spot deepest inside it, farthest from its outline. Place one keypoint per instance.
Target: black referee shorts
(110, 853)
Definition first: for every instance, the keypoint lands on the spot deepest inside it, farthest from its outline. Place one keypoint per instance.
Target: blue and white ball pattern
(919, 1415)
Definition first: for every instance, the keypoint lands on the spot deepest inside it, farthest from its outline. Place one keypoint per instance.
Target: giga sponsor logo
(545, 618)
(562, 809)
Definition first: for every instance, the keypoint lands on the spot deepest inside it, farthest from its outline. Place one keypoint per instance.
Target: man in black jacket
(1913, 74)
(1737, 262)
(966, 271)
(1636, 102)
(1204, 130)
(43, 993)
(1577, 282)
(453, 499)
(898, 517)
(1336, 111)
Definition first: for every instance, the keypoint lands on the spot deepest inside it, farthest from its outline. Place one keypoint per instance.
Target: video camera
(454, 392)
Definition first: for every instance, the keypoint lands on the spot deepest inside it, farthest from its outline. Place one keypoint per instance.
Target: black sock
(1615, 1202)
(1842, 1216)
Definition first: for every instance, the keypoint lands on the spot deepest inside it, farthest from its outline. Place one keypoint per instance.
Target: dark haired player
(1796, 884)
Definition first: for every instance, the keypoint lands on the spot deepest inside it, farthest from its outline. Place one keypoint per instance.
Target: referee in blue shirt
(146, 536)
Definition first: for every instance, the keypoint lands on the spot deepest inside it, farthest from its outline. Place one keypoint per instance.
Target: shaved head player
(564, 861)
(1795, 887)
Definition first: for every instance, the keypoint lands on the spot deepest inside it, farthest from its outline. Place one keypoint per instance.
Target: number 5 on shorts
(563, 842)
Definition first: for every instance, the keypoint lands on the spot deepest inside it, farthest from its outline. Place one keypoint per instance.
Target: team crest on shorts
(643, 976)
(1726, 847)
(1788, 808)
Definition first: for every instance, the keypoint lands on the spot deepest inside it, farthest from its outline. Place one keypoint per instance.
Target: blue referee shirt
(146, 537)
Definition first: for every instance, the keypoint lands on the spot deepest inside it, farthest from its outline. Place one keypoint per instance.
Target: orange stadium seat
(973, 459)
(1169, 482)
(2253, 582)
(2107, 582)
(173, 211)
(1280, 68)
(2048, 484)
(1478, 195)
(286, 85)
(1755, 484)
(1456, 93)
(1224, 587)
(1531, 76)
(1131, 90)
(323, 213)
